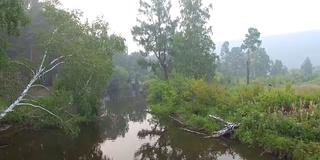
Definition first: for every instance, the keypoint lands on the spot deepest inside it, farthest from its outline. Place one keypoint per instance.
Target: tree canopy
(193, 48)
(154, 31)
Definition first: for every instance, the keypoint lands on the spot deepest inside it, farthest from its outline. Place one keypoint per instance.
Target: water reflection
(175, 144)
(125, 132)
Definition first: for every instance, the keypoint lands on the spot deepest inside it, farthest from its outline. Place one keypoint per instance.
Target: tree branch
(40, 72)
(33, 72)
(35, 106)
(39, 85)
(51, 68)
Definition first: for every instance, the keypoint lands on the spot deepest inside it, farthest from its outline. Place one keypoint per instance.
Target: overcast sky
(230, 18)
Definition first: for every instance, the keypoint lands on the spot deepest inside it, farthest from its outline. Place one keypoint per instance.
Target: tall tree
(250, 45)
(307, 66)
(155, 30)
(223, 65)
(224, 50)
(236, 60)
(232, 63)
(278, 68)
(193, 46)
(261, 63)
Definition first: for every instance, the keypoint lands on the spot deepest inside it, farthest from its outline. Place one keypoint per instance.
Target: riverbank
(281, 121)
(126, 131)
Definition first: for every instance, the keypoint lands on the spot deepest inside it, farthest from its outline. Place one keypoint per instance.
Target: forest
(56, 66)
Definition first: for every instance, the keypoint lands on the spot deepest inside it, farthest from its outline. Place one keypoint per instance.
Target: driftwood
(229, 127)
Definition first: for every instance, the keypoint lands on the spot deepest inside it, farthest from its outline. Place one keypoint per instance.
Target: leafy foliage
(88, 49)
(193, 47)
(155, 31)
(79, 83)
(281, 121)
(12, 16)
(260, 63)
(278, 68)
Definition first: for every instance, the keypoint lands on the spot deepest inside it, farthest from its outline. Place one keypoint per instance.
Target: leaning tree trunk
(21, 100)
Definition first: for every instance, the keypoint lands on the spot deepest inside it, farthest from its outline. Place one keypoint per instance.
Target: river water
(125, 132)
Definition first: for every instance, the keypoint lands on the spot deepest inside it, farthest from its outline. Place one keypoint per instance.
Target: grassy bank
(284, 122)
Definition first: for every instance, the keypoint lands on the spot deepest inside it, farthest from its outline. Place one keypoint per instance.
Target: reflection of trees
(53, 144)
(175, 144)
(130, 109)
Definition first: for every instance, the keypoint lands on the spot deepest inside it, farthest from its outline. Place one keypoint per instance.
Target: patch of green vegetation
(282, 121)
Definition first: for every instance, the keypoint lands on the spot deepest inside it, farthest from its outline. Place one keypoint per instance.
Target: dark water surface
(124, 133)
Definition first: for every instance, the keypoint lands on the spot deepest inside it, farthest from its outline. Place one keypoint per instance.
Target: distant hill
(292, 48)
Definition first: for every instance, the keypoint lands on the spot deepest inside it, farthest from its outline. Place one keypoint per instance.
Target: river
(125, 132)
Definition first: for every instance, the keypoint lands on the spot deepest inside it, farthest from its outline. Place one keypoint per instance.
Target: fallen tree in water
(229, 127)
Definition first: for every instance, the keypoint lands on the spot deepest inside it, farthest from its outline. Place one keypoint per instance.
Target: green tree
(232, 63)
(224, 50)
(250, 45)
(193, 47)
(222, 64)
(88, 49)
(278, 68)
(261, 63)
(155, 30)
(12, 16)
(237, 61)
(307, 66)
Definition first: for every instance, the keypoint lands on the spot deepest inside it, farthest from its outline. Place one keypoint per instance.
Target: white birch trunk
(36, 75)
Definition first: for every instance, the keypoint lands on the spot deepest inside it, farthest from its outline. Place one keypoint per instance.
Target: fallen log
(229, 127)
